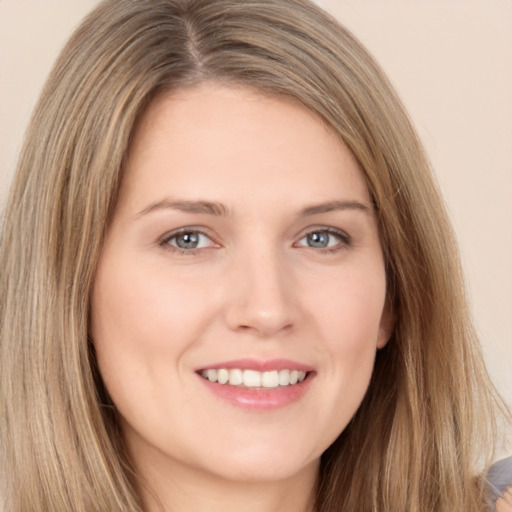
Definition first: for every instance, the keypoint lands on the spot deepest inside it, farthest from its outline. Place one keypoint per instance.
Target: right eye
(188, 240)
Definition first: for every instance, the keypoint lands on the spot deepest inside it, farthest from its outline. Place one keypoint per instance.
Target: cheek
(350, 322)
(352, 315)
(142, 324)
(144, 308)
(141, 319)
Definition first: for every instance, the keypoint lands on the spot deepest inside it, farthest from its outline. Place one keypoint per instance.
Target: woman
(228, 279)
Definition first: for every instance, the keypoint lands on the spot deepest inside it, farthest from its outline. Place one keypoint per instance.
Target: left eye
(189, 240)
(322, 239)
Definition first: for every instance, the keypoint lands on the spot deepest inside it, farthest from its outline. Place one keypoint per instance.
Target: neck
(186, 489)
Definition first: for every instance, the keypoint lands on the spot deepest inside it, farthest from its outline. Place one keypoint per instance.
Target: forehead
(215, 139)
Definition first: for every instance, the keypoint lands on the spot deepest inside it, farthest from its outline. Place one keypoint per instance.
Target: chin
(255, 462)
(264, 470)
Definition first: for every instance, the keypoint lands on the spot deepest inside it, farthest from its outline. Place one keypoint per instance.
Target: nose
(261, 294)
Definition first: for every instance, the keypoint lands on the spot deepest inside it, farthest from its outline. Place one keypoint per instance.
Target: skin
(255, 287)
(504, 504)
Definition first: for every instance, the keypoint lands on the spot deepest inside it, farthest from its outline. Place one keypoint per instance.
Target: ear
(387, 324)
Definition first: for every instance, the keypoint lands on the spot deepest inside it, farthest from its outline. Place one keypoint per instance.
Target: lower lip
(262, 399)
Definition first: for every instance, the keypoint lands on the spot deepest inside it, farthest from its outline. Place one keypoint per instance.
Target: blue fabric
(499, 478)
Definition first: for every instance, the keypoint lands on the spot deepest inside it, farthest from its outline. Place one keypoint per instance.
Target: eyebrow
(218, 209)
(199, 207)
(331, 206)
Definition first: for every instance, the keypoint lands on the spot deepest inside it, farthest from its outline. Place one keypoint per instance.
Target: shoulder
(499, 478)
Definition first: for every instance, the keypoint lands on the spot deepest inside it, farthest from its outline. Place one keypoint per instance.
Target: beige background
(451, 61)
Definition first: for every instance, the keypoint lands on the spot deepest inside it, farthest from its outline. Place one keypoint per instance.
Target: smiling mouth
(253, 378)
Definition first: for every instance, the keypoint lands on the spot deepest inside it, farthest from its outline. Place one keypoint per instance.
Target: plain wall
(451, 62)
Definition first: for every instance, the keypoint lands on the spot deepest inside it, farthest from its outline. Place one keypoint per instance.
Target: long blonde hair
(428, 416)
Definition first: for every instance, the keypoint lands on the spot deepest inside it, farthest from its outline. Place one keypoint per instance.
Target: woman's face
(239, 299)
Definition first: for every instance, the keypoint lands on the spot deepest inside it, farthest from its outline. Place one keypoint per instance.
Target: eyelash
(164, 242)
(345, 240)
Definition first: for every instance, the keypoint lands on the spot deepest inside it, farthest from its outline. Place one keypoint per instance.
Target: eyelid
(164, 240)
(346, 239)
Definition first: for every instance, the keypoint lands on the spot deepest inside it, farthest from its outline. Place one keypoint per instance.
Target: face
(240, 297)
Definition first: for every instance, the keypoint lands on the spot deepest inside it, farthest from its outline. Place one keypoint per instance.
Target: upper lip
(258, 365)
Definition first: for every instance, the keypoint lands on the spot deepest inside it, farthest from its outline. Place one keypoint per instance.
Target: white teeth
(270, 379)
(253, 378)
(222, 376)
(236, 377)
(284, 377)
